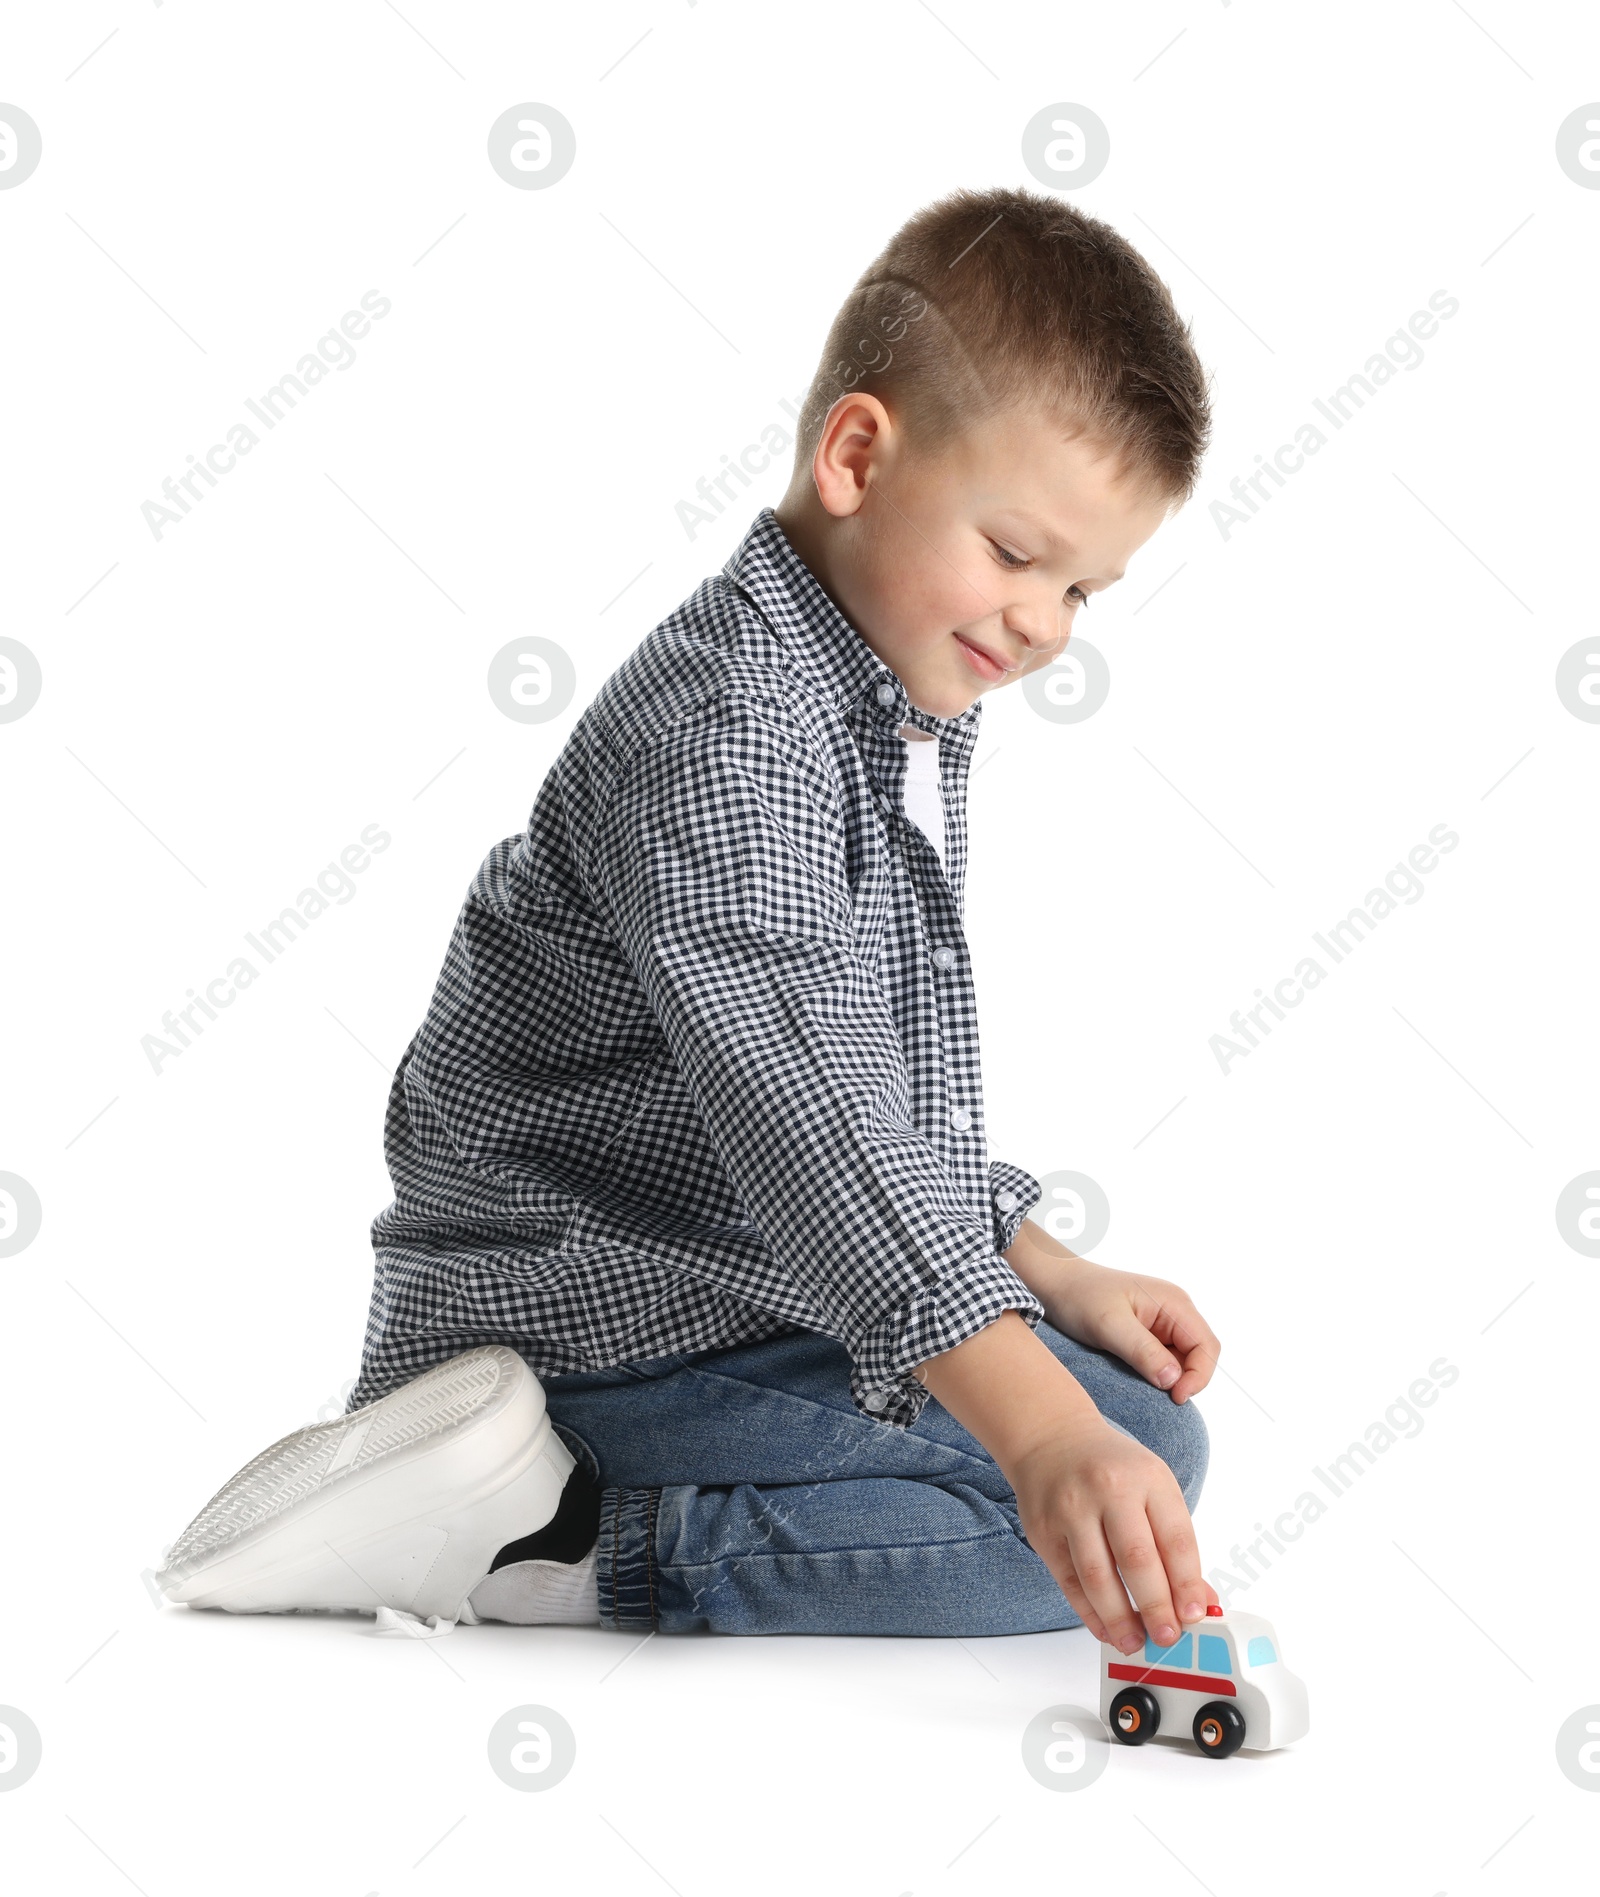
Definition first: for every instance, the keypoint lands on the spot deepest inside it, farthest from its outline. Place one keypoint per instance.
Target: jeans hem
(625, 1571)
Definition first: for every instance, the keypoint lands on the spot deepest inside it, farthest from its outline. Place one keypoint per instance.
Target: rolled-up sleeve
(1013, 1193)
(719, 858)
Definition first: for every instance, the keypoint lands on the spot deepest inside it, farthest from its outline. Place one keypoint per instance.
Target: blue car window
(1261, 1652)
(1175, 1655)
(1214, 1654)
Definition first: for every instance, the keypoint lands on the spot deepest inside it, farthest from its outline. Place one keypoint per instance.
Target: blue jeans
(744, 1493)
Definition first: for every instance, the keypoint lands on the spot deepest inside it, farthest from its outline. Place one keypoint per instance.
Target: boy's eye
(1015, 563)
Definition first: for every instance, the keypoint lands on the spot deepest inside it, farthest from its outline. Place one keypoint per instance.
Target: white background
(224, 710)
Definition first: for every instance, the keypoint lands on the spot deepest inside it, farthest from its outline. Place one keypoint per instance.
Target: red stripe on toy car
(1163, 1676)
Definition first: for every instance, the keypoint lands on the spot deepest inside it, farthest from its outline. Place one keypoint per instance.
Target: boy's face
(966, 569)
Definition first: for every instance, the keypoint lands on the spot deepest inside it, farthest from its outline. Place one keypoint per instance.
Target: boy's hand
(1092, 1501)
(1147, 1322)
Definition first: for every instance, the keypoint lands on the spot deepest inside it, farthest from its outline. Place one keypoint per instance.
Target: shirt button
(944, 958)
(886, 693)
(874, 1399)
(961, 1119)
(1005, 1201)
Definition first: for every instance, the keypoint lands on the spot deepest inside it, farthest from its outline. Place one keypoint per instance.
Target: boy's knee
(1185, 1447)
(1176, 1432)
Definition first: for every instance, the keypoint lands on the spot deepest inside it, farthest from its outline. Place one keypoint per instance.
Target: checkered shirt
(701, 1066)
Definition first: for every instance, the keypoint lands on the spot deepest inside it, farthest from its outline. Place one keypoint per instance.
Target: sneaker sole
(403, 1503)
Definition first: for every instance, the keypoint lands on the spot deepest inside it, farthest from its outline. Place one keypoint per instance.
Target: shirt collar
(790, 597)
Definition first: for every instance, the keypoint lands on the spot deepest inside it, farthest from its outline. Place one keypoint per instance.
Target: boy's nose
(1038, 637)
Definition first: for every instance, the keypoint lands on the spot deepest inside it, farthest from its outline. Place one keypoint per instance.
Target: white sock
(541, 1593)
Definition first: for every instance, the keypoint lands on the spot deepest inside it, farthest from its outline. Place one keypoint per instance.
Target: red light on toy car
(1214, 1610)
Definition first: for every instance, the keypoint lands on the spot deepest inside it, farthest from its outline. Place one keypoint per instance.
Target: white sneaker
(402, 1504)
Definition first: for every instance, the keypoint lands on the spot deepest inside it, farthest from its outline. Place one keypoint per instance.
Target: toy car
(1222, 1679)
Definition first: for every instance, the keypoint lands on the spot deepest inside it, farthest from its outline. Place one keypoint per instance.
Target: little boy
(693, 1212)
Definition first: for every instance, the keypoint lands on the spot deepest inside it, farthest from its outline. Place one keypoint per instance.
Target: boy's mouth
(985, 664)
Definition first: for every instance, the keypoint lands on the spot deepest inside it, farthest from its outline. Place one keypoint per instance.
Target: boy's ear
(856, 436)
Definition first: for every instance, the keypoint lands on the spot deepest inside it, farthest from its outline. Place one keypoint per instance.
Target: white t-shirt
(924, 798)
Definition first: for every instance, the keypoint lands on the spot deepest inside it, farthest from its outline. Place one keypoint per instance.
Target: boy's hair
(1027, 300)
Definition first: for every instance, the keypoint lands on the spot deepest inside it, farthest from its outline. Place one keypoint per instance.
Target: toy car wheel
(1135, 1715)
(1219, 1729)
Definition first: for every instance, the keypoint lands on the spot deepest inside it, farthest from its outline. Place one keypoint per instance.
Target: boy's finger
(1197, 1369)
(1135, 1345)
(1196, 1375)
(1055, 1552)
(1067, 1579)
(1199, 1348)
(1144, 1571)
(1180, 1556)
(1096, 1569)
